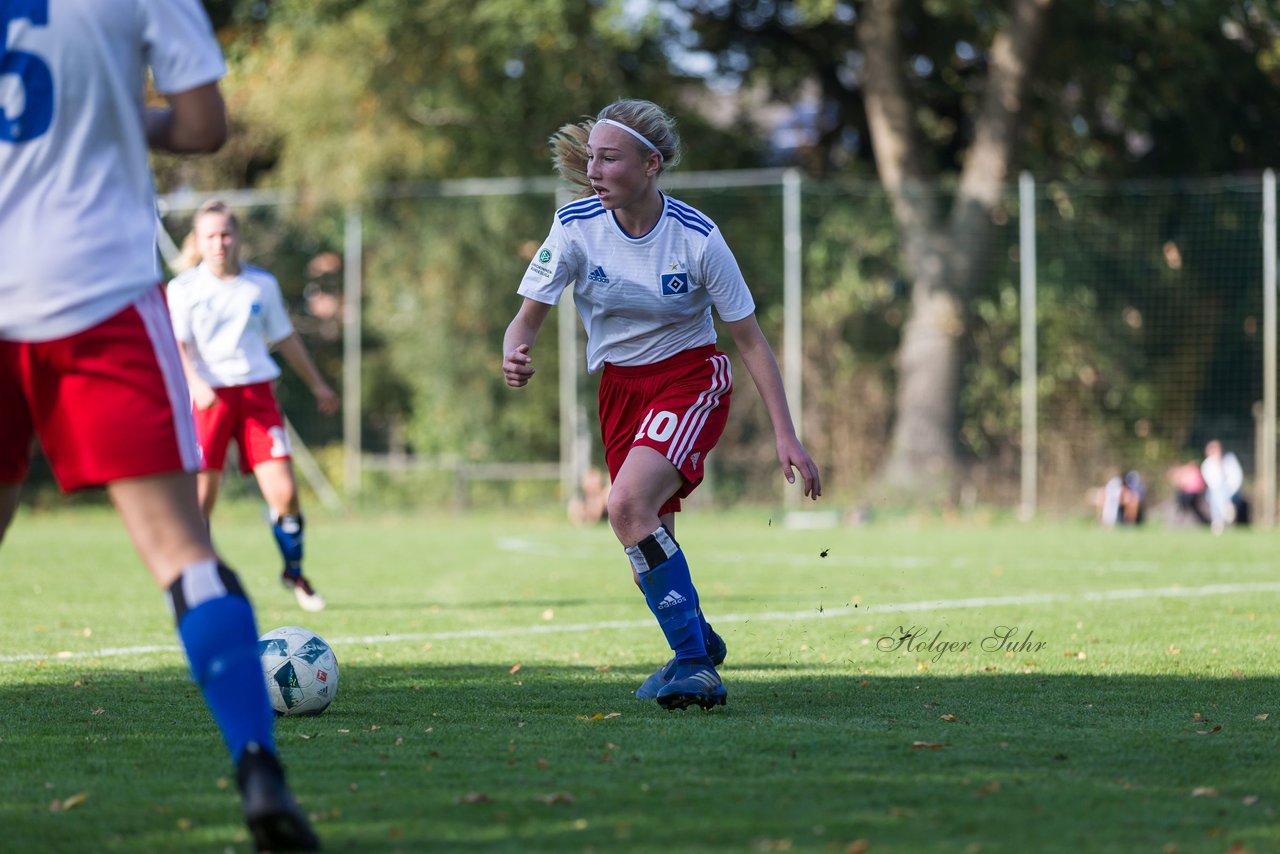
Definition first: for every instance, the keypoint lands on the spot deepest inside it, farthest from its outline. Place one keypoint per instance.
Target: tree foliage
(339, 98)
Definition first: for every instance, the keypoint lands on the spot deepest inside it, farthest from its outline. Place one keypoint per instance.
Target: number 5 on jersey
(37, 81)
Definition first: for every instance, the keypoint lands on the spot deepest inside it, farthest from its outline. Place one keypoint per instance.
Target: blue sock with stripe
(219, 634)
(670, 594)
(288, 533)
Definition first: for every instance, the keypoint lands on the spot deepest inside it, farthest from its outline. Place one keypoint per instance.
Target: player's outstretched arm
(295, 353)
(522, 332)
(758, 356)
(194, 122)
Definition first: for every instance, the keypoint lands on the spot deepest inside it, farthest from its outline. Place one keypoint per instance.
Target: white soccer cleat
(308, 598)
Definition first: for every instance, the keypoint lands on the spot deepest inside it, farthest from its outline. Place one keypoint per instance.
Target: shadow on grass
(556, 758)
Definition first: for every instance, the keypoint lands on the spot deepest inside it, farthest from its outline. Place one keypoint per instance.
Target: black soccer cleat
(649, 689)
(274, 818)
(693, 683)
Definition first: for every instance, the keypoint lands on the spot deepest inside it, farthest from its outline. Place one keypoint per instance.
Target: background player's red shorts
(250, 415)
(108, 403)
(678, 406)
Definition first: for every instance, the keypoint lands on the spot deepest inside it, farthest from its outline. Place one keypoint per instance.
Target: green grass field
(1129, 703)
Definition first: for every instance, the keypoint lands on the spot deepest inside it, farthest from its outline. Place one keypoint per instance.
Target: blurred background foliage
(1149, 262)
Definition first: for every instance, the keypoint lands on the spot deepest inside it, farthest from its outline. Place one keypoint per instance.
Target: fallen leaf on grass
(1261, 717)
(1249, 800)
(553, 798)
(949, 718)
(473, 798)
(1204, 792)
(515, 668)
(927, 745)
(765, 844)
(858, 846)
(989, 789)
(548, 614)
(1217, 728)
(69, 803)
(599, 716)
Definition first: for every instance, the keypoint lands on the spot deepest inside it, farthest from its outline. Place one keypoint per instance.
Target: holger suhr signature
(916, 639)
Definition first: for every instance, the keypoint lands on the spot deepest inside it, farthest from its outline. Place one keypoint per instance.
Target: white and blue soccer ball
(301, 670)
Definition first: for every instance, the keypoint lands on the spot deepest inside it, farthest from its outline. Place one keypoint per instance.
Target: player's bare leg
(8, 505)
(644, 484)
(279, 489)
(219, 634)
(207, 486)
(165, 523)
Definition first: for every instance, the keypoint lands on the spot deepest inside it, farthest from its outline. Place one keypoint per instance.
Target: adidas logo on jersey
(672, 598)
(598, 275)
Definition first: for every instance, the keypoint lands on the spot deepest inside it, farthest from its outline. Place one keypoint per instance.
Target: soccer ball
(301, 670)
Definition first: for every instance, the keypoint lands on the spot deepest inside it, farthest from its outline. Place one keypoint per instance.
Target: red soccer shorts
(678, 406)
(250, 415)
(107, 403)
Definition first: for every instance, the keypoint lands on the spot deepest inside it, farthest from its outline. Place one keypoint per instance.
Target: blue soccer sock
(217, 629)
(702, 621)
(669, 591)
(288, 533)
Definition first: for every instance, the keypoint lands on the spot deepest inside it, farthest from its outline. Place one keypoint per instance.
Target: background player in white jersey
(646, 271)
(88, 360)
(227, 317)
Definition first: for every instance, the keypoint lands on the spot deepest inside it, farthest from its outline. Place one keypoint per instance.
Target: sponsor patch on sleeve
(544, 262)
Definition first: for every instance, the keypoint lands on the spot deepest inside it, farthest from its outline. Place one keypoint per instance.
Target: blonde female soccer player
(646, 271)
(227, 317)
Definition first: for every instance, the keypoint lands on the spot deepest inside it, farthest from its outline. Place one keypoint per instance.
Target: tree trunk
(943, 259)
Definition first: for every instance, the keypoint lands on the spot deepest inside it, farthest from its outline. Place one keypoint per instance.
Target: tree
(936, 94)
(944, 255)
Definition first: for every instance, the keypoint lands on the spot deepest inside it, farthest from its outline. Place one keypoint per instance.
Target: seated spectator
(592, 505)
(1122, 500)
(1188, 491)
(1224, 484)
(1133, 498)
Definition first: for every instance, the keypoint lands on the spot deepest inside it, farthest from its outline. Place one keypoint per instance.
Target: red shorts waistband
(688, 357)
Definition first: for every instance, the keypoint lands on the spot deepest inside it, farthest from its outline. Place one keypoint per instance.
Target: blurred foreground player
(88, 361)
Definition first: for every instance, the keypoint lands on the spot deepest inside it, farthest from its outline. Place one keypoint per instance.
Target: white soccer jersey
(77, 203)
(232, 322)
(641, 299)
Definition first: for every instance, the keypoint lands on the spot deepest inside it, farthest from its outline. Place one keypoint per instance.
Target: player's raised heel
(273, 817)
(649, 689)
(308, 598)
(693, 683)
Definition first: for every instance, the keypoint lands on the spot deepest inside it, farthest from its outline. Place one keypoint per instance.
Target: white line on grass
(1175, 592)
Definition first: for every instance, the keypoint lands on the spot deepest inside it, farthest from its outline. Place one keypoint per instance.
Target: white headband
(647, 144)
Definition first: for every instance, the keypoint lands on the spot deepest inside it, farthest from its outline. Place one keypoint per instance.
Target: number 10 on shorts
(658, 426)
